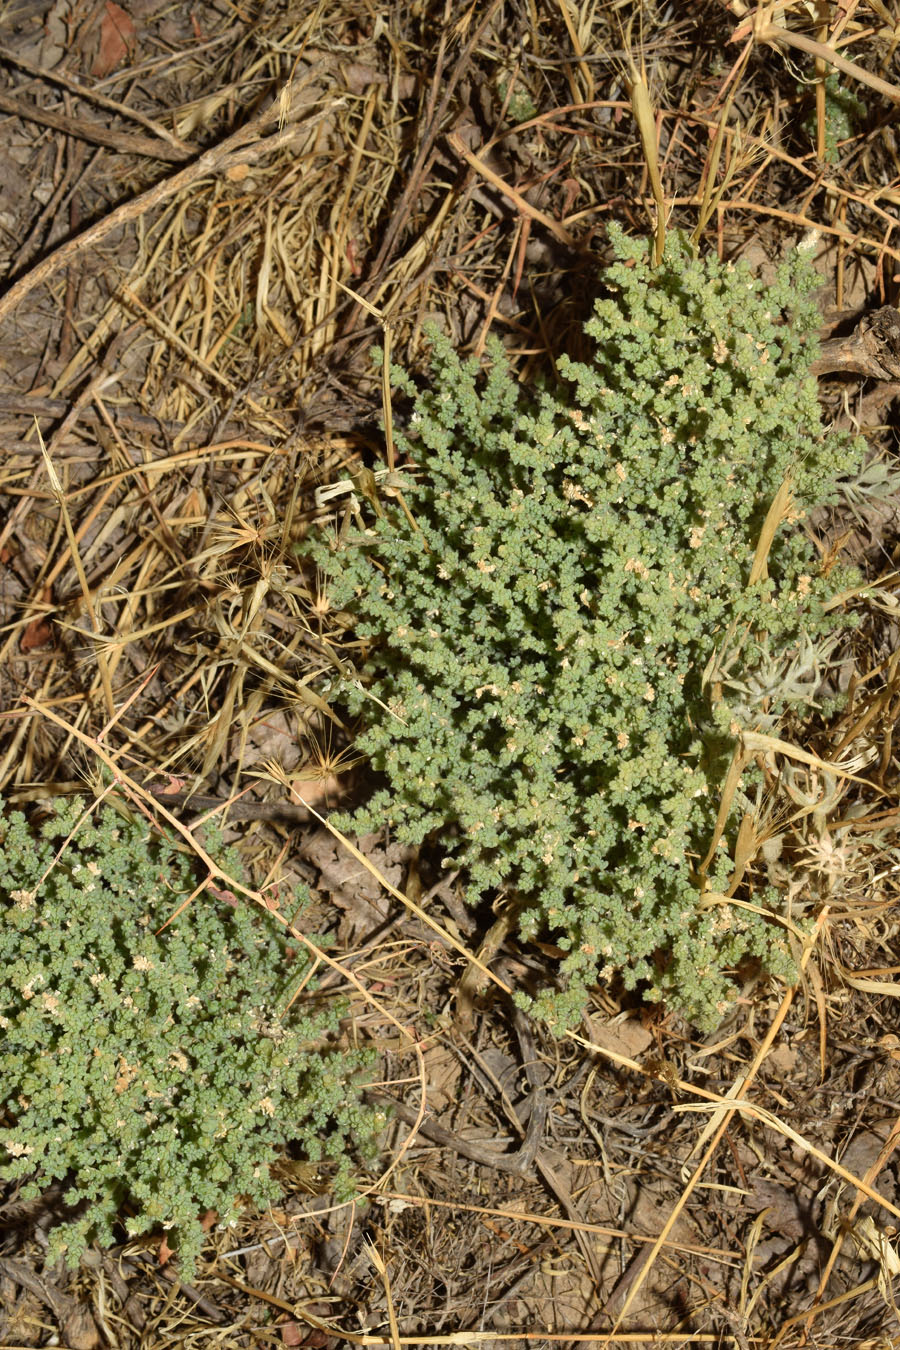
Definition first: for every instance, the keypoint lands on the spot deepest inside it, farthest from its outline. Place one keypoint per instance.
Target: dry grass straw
(156, 623)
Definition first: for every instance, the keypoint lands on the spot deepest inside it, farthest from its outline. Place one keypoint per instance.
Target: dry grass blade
(714, 191)
(578, 47)
(757, 740)
(780, 510)
(642, 110)
(378, 1262)
(739, 760)
(60, 497)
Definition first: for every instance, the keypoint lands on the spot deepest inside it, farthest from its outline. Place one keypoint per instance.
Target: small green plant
(152, 1070)
(844, 111)
(520, 106)
(542, 630)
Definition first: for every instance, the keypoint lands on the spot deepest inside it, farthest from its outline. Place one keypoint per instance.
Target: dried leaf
(79, 1329)
(118, 40)
(37, 634)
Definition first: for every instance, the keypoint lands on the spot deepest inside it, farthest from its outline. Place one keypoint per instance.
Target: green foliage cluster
(153, 1071)
(844, 112)
(535, 691)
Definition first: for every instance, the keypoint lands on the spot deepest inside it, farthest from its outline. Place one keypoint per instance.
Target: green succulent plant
(541, 626)
(152, 1065)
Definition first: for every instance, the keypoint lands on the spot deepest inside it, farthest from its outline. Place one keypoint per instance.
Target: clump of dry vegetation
(209, 218)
